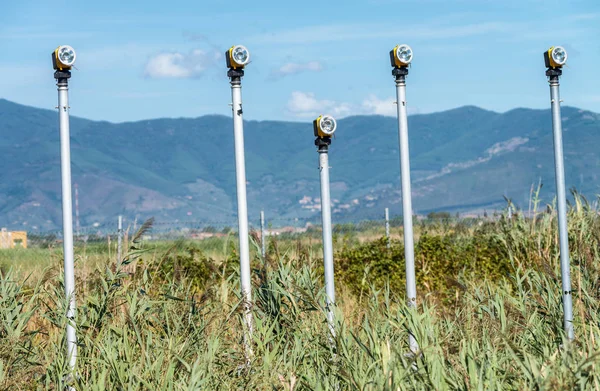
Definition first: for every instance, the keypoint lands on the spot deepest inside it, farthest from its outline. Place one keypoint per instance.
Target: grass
(165, 328)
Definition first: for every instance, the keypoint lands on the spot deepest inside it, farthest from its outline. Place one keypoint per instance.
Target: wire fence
(165, 230)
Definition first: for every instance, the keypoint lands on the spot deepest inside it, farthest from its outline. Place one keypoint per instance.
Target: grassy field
(489, 314)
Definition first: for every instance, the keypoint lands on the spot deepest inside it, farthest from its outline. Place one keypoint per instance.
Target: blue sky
(139, 60)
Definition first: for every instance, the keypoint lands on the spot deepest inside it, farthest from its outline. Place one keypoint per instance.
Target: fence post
(262, 233)
(120, 240)
(387, 227)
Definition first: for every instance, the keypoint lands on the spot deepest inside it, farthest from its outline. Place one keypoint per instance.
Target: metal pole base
(553, 72)
(400, 73)
(235, 73)
(323, 144)
(58, 75)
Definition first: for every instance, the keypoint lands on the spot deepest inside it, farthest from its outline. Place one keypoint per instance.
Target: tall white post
(67, 209)
(327, 236)
(407, 214)
(240, 173)
(561, 200)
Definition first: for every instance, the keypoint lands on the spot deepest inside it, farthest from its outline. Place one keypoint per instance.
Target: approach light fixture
(324, 126)
(237, 57)
(555, 57)
(401, 56)
(63, 58)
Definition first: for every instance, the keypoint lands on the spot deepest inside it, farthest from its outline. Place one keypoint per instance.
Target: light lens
(404, 54)
(66, 55)
(240, 55)
(559, 55)
(327, 125)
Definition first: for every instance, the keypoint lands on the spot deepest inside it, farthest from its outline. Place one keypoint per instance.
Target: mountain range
(182, 169)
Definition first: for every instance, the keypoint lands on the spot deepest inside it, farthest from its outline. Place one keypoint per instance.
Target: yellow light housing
(555, 57)
(63, 58)
(324, 126)
(237, 57)
(401, 56)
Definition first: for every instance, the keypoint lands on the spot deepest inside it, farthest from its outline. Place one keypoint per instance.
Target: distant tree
(210, 229)
(439, 216)
(226, 230)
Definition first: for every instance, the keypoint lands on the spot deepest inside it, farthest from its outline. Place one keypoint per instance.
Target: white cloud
(294, 67)
(374, 105)
(306, 105)
(179, 65)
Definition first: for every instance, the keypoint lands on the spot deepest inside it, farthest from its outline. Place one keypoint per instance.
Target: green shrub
(439, 261)
(190, 264)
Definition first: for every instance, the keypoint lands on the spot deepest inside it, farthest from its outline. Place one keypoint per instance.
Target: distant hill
(463, 160)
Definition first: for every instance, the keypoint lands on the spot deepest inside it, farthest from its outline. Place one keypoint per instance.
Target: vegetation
(489, 314)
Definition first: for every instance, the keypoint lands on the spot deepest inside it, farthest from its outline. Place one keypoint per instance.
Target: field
(489, 312)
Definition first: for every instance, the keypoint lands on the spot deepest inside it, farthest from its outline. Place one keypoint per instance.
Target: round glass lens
(327, 125)
(404, 54)
(240, 55)
(66, 55)
(559, 55)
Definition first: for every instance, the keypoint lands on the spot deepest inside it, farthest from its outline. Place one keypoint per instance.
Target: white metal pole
(240, 173)
(262, 233)
(561, 200)
(387, 226)
(67, 208)
(120, 240)
(409, 252)
(327, 240)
